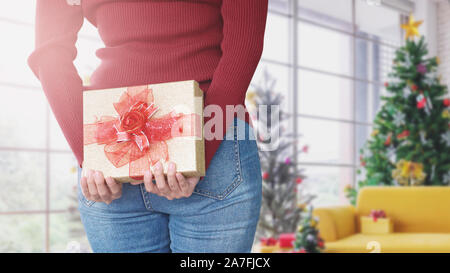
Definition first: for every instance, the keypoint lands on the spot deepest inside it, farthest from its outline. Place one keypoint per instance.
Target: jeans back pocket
(224, 172)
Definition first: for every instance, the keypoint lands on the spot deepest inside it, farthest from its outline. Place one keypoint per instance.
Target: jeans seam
(238, 169)
(145, 198)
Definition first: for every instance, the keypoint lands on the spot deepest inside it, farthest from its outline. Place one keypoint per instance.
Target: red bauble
(388, 140)
(320, 244)
(403, 134)
(421, 104)
(265, 175)
(386, 84)
(446, 102)
(299, 180)
(414, 87)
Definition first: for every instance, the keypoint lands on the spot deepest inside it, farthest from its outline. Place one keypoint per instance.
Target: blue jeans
(220, 216)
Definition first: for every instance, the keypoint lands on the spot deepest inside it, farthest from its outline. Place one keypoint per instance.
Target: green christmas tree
(281, 203)
(307, 239)
(410, 143)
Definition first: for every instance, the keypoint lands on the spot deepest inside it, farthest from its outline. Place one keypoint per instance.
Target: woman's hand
(174, 187)
(96, 188)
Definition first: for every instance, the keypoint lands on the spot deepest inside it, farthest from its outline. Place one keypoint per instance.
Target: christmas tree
(281, 202)
(307, 239)
(410, 143)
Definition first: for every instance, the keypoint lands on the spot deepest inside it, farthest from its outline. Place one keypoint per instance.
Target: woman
(215, 42)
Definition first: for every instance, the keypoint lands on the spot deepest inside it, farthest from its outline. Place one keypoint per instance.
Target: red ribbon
(375, 214)
(268, 241)
(135, 137)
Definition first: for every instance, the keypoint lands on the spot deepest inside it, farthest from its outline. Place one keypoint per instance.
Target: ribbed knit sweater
(215, 42)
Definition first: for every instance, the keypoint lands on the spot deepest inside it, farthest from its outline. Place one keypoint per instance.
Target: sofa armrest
(336, 222)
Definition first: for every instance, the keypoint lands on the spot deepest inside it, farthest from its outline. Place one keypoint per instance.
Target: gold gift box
(187, 152)
(380, 226)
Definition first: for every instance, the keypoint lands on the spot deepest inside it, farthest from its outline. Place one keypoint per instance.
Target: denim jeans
(220, 216)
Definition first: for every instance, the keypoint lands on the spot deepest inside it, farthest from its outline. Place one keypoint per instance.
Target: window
(344, 53)
(37, 166)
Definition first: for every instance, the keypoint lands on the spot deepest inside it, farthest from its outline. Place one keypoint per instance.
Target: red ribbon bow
(268, 241)
(375, 214)
(135, 137)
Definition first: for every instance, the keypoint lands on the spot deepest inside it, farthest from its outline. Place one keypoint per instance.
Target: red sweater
(215, 42)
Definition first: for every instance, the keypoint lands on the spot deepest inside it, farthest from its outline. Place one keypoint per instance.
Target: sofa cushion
(394, 242)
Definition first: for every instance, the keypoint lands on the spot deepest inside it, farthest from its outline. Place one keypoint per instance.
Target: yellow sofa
(421, 217)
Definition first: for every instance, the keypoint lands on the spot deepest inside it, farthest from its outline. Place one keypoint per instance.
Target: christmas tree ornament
(446, 102)
(411, 28)
(287, 161)
(406, 93)
(299, 180)
(414, 87)
(422, 135)
(399, 119)
(433, 172)
(446, 138)
(446, 113)
(403, 135)
(392, 154)
(408, 173)
(421, 101)
(421, 68)
(388, 140)
(265, 175)
(362, 161)
(386, 84)
(447, 178)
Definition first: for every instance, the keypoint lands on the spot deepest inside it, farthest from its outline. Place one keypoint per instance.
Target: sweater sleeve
(242, 44)
(57, 25)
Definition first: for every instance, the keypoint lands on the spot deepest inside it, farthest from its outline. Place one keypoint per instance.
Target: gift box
(128, 130)
(370, 225)
(286, 241)
(268, 245)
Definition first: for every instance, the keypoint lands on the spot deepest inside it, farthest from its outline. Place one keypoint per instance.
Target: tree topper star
(411, 27)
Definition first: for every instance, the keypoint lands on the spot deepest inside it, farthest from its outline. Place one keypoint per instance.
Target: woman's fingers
(84, 187)
(161, 181)
(172, 181)
(102, 188)
(173, 185)
(148, 183)
(184, 186)
(114, 187)
(92, 187)
(193, 181)
(96, 188)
